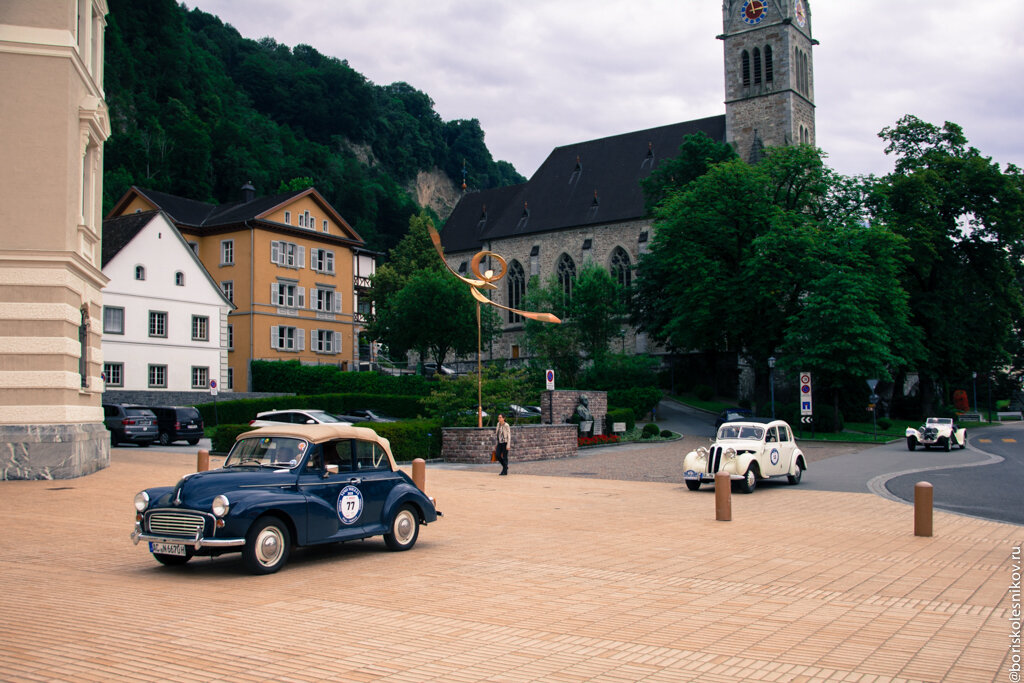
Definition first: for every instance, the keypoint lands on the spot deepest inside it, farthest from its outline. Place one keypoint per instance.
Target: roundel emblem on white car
(350, 505)
(775, 456)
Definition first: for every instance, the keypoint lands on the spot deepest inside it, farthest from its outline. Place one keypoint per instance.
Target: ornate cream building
(54, 125)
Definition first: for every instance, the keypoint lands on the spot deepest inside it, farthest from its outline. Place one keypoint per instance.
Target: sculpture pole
(485, 280)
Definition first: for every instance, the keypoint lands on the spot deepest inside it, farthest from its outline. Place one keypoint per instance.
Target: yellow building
(54, 125)
(290, 264)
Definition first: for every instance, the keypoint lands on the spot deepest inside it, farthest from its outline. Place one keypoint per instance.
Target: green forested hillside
(197, 110)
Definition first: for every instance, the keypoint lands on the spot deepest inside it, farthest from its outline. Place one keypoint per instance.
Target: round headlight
(730, 454)
(701, 453)
(141, 501)
(220, 505)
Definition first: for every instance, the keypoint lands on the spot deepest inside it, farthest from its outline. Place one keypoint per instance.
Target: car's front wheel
(911, 443)
(963, 444)
(404, 529)
(948, 446)
(267, 546)
(165, 439)
(693, 484)
(797, 476)
(749, 481)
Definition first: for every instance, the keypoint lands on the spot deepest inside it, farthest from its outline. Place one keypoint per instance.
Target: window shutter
(273, 336)
(314, 303)
(302, 257)
(302, 297)
(275, 295)
(275, 252)
(337, 342)
(337, 302)
(300, 339)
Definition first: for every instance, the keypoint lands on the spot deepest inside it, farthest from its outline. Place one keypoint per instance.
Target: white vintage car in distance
(940, 432)
(748, 450)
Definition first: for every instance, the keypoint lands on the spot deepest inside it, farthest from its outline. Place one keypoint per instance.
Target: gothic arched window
(757, 66)
(745, 59)
(566, 276)
(769, 67)
(516, 288)
(622, 271)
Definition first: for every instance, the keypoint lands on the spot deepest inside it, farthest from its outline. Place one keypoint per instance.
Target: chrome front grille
(714, 459)
(176, 522)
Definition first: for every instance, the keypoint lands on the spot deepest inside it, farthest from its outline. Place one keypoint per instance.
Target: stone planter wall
(558, 406)
(529, 442)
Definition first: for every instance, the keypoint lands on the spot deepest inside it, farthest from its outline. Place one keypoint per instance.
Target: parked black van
(178, 423)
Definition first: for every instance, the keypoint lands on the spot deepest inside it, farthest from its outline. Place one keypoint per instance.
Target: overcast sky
(539, 75)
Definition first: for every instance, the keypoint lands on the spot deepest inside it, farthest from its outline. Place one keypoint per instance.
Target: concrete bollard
(202, 460)
(923, 496)
(419, 474)
(723, 497)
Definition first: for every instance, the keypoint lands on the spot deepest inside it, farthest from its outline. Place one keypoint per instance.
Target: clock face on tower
(801, 13)
(753, 11)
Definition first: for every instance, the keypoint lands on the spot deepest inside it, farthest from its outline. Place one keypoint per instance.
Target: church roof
(596, 182)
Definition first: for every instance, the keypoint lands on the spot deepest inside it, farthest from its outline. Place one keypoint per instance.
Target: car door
(786, 447)
(772, 458)
(333, 499)
(376, 479)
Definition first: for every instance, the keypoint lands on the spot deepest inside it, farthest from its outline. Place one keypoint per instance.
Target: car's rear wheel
(165, 439)
(267, 546)
(193, 442)
(113, 439)
(963, 444)
(692, 484)
(911, 443)
(797, 476)
(172, 560)
(404, 529)
(144, 444)
(749, 481)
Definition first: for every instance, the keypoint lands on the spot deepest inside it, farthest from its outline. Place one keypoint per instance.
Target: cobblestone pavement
(526, 578)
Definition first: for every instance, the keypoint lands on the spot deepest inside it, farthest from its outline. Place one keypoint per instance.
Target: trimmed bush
(884, 423)
(619, 415)
(666, 434)
(224, 436)
(704, 392)
(410, 439)
(293, 377)
(641, 400)
(650, 431)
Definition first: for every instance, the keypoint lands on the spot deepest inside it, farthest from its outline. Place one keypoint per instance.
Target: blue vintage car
(284, 486)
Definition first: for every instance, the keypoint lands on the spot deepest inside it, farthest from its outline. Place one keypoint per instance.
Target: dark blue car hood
(197, 490)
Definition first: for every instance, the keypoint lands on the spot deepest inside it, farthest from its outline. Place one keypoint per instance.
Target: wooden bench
(1010, 413)
(969, 417)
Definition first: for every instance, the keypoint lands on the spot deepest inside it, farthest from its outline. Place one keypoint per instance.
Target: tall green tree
(963, 219)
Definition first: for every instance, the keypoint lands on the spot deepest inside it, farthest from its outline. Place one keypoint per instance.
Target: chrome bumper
(196, 542)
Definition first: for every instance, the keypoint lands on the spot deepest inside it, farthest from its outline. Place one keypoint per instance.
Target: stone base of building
(62, 451)
(529, 442)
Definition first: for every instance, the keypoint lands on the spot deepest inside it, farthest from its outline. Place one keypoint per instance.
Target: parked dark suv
(178, 423)
(130, 423)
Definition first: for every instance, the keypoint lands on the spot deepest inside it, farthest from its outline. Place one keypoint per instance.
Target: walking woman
(503, 437)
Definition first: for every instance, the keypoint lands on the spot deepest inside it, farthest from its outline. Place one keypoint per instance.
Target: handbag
(494, 457)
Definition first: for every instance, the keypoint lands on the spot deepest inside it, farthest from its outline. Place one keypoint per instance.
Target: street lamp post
(974, 381)
(771, 382)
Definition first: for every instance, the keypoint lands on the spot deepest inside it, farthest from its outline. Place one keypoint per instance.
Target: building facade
(585, 202)
(294, 269)
(164, 318)
(55, 122)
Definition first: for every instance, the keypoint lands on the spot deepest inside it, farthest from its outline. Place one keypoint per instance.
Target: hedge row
(295, 378)
(409, 440)
(620, 415)
(243, 410)
(641, 400)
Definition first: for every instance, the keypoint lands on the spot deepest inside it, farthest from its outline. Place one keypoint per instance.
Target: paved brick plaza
(527, 578)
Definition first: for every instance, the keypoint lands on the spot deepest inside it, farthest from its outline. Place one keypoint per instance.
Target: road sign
(549, 377)
(213, 387)
(806, 403)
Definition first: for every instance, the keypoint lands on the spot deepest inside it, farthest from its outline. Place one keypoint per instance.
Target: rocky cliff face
(435, 189)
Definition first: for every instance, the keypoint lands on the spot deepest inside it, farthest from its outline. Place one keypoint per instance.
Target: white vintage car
(940, 432)
(749, 450)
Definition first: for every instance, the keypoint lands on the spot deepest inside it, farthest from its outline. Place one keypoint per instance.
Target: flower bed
(599, 440)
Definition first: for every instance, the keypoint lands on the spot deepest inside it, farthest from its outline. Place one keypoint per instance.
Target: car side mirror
(330, 469)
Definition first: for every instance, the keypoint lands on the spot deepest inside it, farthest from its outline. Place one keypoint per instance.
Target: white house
(164, 318)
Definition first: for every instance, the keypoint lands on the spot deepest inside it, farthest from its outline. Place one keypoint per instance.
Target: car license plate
(190, 426)
(167, 549)
(145, 423)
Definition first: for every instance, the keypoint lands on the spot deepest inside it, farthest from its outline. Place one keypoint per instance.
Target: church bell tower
(769, 74)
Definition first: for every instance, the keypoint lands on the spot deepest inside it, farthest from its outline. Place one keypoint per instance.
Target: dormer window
(576, 172)
(140, 272)
(648, 161)
(525, 217)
